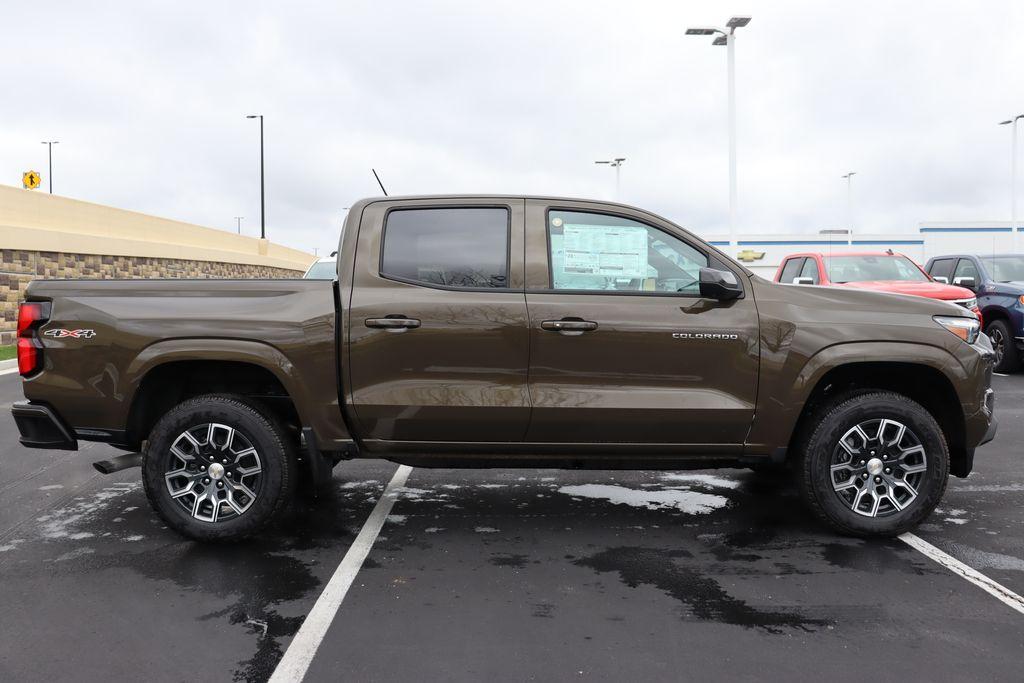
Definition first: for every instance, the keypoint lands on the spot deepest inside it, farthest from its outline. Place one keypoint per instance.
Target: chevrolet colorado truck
(504, 331)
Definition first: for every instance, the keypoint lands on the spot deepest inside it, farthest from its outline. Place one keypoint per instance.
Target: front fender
(784, 391)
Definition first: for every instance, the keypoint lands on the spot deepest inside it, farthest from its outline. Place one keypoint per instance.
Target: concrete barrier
(48, 236)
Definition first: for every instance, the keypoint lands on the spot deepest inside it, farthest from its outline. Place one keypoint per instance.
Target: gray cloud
(149, 99)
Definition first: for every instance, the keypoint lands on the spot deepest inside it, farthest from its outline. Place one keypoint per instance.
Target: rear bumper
(42, 427)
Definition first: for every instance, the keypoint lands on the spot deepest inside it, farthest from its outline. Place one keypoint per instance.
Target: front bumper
(42, 427)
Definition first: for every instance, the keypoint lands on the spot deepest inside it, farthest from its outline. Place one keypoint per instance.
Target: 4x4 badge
(76, 334)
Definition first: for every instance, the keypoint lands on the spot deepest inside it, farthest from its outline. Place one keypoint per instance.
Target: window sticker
(605, 251)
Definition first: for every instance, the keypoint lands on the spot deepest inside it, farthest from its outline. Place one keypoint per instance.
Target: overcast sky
(149, 100)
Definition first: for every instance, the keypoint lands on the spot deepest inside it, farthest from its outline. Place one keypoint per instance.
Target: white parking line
(9, 371)
(954, 565)
(999, 374)
(300, 652)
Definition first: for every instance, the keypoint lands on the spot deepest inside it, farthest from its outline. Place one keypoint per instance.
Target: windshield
(322, 270)
(1005, 268)
(870, 268)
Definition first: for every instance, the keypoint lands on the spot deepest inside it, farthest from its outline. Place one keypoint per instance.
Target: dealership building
(763, 253)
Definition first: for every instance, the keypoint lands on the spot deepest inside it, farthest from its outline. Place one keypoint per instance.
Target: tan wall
(46, 236)
(32, 220)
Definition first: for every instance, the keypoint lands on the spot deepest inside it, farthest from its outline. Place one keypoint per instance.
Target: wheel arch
(921, 382)
(169, 372)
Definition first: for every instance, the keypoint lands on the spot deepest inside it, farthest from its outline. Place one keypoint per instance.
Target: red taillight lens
(28, 356)
(28, 315)
(30, 353)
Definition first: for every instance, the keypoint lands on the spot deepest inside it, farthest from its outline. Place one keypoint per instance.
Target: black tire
(821, 449)
(1001, 336)
(275, 453)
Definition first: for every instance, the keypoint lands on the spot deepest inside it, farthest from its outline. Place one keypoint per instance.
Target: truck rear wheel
(217, 468)
(875, 464)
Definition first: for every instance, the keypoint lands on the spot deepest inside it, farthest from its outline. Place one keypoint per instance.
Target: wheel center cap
(874, 466)
(216, 471)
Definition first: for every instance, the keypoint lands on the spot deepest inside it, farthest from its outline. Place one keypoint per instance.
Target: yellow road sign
(30, 180)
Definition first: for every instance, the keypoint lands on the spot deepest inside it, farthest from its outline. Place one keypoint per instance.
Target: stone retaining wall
(19, 267)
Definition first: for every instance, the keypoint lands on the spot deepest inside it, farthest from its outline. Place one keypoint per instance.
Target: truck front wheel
(217, 468)
(875, 464)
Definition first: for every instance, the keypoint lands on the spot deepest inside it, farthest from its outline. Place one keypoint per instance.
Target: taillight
(30, 351)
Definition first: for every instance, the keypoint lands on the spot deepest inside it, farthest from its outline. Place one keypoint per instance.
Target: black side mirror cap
(722, 285)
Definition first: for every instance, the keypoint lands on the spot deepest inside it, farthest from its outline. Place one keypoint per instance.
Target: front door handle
(569, 326)
(393, 324)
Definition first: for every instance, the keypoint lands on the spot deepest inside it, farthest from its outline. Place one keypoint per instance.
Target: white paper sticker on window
(605, 250)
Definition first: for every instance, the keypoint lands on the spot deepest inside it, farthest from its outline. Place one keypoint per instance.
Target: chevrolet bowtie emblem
(748, 255)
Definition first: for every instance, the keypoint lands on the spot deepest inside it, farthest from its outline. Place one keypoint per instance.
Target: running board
(121, 462)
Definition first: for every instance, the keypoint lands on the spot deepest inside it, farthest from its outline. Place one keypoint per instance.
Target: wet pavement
(508, 575)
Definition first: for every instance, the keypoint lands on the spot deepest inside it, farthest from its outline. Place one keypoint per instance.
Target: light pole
(1013, 179)
(726, 36)
(49, 172)
(849, 207)
(615, 163)
(238, 220)
(263, 205)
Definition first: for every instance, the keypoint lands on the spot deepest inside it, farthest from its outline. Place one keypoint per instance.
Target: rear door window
(791, 270)
(942, 267)
(463, 248)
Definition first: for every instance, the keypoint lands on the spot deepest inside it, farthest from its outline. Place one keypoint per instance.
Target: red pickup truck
(877, 271)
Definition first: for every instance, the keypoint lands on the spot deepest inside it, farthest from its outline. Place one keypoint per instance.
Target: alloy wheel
(214, 473)
(877, 467)
(998, 343)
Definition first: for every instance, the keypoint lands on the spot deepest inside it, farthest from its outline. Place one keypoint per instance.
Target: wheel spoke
(843, 486)
(207, 503)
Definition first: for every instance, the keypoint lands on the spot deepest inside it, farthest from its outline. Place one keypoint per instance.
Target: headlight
(965, 328)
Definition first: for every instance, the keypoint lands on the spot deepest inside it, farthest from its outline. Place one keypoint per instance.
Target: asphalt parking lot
(508, 575)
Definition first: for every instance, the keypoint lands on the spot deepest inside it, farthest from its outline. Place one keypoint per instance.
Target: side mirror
(719, 284)
(968, 282)
(803, 281)
(941, 278)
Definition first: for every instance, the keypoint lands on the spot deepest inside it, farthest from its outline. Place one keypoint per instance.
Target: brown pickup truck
(500, 331)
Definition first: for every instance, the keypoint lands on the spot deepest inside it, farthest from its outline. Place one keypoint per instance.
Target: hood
(929, 290)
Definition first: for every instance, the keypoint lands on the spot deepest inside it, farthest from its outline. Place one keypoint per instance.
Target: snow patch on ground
(493, 486)
(51, 487)
(360, 484)
(433, 529)
(134, 537)
(486, 530)
(706, 479)
(62, 523)
(956, 520)
(397, 519)
(11, 545)
(690, 502)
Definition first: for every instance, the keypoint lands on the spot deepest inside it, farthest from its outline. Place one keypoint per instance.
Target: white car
(323, 269)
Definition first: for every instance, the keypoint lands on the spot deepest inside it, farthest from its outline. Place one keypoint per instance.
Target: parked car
(507, 331)
(998, 283)
(877, 271)
(322, 269)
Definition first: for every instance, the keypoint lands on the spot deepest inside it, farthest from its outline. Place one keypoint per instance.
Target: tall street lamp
(615, 163)
(263, 205)
(1013, 179)
(726, 36)
(849, 206)
(49, 172)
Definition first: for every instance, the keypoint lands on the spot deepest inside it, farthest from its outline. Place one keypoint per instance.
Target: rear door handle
(569, 326)
(393, 324)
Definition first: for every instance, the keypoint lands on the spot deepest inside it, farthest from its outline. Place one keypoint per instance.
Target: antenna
(379, 182)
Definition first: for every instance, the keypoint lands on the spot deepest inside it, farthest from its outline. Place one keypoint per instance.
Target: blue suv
(998, 282)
